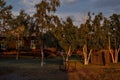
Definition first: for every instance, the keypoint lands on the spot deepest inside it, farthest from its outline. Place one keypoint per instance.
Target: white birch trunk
(111, 51)
(116, 55)
(85, 59)
(112, 55)
(86, 56)
(68, 54)
(89, 55)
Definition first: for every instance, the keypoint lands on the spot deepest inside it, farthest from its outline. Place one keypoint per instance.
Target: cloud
(30, 2)
(29, 5)
(107, 7)
(68, 1)
(29, 8)
(15, 13)
(110, 3)
(117, 9)
(105, 3)
(94, 0)
(77, 18)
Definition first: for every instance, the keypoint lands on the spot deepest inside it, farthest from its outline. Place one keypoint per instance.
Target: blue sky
(76, 9)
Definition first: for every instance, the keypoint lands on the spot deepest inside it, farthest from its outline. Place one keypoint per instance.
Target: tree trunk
(86, 56)
(116, 55)
(68, 54)
(42, 57)
(111, 51)
(17, 54)
(42, 46)
(85, 59)
(112, 55)
(89, 55)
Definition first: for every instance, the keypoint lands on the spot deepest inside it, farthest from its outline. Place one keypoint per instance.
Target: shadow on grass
(30, 69)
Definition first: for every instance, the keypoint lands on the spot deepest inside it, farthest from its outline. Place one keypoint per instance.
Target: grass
(30, 69)
(96, 72)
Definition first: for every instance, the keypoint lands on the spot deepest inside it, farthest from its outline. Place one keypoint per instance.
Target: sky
(76, 9)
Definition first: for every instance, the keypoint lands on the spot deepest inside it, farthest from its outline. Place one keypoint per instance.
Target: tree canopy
(94, 32)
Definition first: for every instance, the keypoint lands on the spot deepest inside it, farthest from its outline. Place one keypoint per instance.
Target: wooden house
(101, 57)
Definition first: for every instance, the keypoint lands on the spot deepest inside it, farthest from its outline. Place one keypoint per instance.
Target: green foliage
(22, 18)
(94, 32)
(67, 34)
(44, 13)
(5, 14)
(50, 40)
(115, 30)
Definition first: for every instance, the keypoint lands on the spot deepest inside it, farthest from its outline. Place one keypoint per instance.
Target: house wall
(101, 57)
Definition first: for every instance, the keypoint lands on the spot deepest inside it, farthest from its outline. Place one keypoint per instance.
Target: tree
(16, 33)
(5, 18)
(100, 29)
(66, 33)
(23, 19)
(44, 17)
(85, 37)
(18, 30)
(115, 40)
(5, 15)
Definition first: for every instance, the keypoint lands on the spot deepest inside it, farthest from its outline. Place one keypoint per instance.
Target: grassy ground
(30, 69)
(95, 72)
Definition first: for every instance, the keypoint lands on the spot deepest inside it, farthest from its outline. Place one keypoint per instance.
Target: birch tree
(44, 16)
(114, 28)
(85, 37)
(67, 34)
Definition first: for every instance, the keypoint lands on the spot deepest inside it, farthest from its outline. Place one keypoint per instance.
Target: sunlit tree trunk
(42, 46)
(68, 54)
(110, 50)
(86, 56)
(114, 54)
